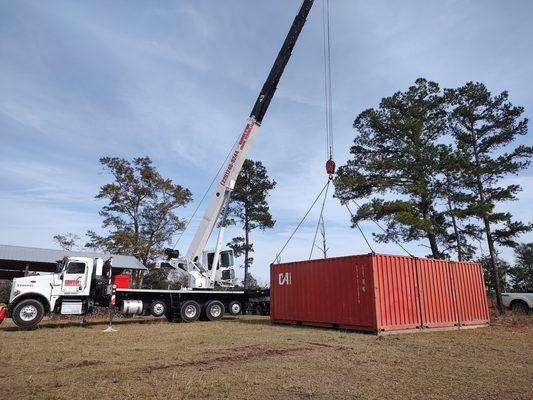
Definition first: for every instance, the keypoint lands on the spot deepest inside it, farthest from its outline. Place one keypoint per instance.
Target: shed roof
(16, 258)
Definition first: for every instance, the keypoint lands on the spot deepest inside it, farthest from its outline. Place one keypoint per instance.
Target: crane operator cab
(201, 275)
(225, 273)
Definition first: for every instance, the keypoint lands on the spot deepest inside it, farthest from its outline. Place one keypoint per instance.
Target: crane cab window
(75, 267)
(226, 258)
(225, 261)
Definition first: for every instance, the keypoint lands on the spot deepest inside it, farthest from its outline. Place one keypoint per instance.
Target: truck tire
(158, 308)
(214, 310)
(28, 313)
(235, 308)
(520, 307)
(189, 311)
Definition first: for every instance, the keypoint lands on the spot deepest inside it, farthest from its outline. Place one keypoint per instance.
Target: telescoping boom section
(201, 273)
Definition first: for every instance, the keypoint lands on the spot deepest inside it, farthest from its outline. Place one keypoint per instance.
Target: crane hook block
(330, 167)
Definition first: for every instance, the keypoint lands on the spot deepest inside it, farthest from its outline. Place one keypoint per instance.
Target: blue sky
(176, 80)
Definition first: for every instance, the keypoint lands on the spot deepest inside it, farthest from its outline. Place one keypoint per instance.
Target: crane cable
(320, 220)
(384, 230)
(327, 79)
(278, 254)
(330, 164)
(359, 228)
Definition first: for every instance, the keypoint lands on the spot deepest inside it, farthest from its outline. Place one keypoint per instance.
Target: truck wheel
(189, 311)
(520, 307)
(214, 310)
(28, 313)
(235, 308)
(158, 308)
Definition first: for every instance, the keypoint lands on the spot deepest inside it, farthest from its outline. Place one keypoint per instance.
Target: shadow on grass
(79, 324)
(250, 321)
(265, 321)
(254, 320)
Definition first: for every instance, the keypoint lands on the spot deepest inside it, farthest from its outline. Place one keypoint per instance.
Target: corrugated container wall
(378, 293)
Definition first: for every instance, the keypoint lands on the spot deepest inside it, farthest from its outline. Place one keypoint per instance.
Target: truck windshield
(75, 268)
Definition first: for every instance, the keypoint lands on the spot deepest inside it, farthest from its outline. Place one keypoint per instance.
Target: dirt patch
(329, 346)
(84, 363)
(236, 356)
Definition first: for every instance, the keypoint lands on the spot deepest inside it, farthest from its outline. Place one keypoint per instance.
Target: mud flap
(3, 312)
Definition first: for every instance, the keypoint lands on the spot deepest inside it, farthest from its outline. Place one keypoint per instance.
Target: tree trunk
(430, 233)
(490, 240)
(246, 244)
(494, 265)
(433, 245)
(455, 230)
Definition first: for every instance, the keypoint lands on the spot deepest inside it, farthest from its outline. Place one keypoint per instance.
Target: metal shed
(15, 261)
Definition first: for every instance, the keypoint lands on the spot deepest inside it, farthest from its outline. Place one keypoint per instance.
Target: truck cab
(71, 289)
(519, 302)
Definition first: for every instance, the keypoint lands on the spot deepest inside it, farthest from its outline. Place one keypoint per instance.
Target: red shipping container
(122, 281)
(378, 293)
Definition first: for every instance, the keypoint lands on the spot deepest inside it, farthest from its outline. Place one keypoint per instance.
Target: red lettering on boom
(242, 142)
(245, 135)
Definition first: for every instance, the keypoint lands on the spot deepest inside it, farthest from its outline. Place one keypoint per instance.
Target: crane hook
(330, 168)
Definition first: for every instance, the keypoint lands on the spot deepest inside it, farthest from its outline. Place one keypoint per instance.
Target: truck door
(74, 277)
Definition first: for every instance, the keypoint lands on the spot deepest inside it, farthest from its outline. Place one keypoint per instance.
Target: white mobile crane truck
(80, 283)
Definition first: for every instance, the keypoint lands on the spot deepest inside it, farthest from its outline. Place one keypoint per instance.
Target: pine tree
(395, 153)
(451, 191)
(483, 126)
(239, 248)
(249, 207)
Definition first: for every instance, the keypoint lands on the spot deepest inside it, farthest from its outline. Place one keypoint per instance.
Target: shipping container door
(396, 292)
(470, 294)
(361, 311)
(281, 298)
(437, 303)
